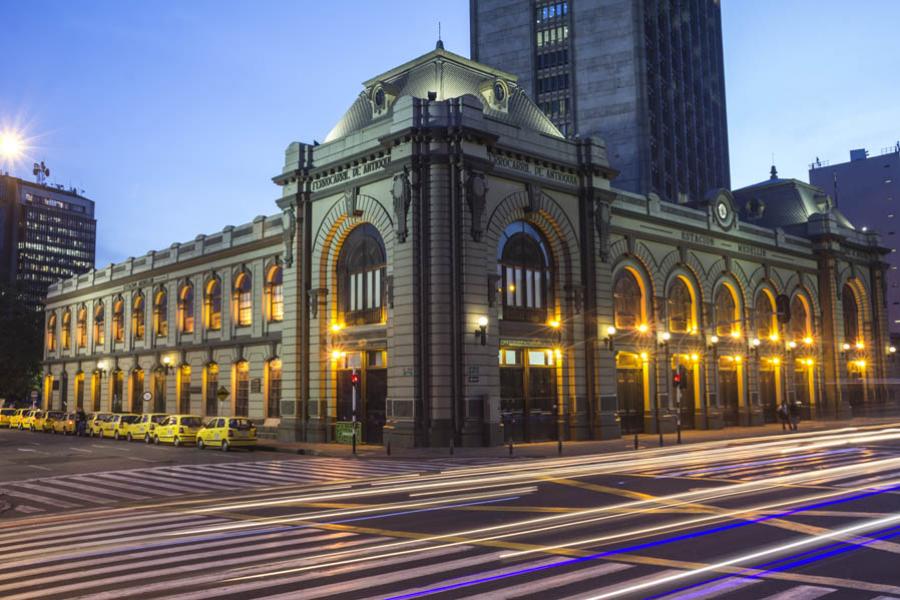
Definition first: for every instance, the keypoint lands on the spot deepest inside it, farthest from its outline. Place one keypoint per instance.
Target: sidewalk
(551, 449)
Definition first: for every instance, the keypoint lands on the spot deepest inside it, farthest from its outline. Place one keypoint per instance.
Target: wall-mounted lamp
(713, 340)
(845, 347)
(338, 354)
(892, 349)
(644, 357)
(167, 363)
(643, 328)
(102, 368)
(808, 341)
(791, 344)
(860, 345)
(610, 338)
(481, 332)
(336, 327)
(736, 334)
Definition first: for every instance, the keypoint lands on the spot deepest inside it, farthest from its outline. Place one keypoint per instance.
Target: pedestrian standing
(794, 410)
(783, 415)
(80, 422)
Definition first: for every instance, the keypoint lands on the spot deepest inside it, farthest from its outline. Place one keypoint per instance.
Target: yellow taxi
(227, 432)
(50, 418)
(143, 428)
(29, 419)
(65, 424)
(122, 425)
(178, 429)
(96, 422)
(15, 421)
(6, 415)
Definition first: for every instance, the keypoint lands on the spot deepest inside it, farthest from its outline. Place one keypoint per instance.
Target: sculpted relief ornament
(604, 216)
(288, 229)
(476, 194)
(402, 194)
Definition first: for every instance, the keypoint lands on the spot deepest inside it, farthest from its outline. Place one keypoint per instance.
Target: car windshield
(158, 418)
(130, 418)
(240, 424)
(191, 421)
(55, 415)
(8, 411)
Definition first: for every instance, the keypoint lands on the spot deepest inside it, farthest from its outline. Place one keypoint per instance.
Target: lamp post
(664, 338)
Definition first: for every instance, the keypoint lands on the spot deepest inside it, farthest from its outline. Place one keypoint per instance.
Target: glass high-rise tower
(645, 75)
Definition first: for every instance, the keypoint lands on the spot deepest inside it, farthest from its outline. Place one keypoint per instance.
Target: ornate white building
(486, 281)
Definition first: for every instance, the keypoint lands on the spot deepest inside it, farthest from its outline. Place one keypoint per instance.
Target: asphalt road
(803, 516)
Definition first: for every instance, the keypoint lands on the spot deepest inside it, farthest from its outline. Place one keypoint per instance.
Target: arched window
(766, 320)
(274, 294)
(801, 327)
(525, 269)
(273, 389)
(81, 327)
(99, 325)
(680, 304)
(51, 332)
(628, 300)
(851, 316)
(118, 322)
(138, 316)
(727, 318)
(161, 314)
(243, 299)
(212, 304)
(66, 329)
(242, 388)
(360, 270)
(186, 308)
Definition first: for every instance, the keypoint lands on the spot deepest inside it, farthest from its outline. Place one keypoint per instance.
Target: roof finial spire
(773, 172)
(440, 44)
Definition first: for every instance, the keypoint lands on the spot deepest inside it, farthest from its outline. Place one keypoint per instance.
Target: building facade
(646, 76)
(459, 271)
(46, 234)
(866, 189)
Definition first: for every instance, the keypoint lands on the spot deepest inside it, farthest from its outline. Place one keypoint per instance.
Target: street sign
(147, 396)
(343, 431)
(221, 393)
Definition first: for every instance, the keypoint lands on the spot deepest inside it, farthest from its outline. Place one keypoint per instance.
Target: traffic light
(676, 378)
(354, 378)
(679, 377)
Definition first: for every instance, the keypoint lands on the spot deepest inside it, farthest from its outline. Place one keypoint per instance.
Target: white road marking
(801, 592)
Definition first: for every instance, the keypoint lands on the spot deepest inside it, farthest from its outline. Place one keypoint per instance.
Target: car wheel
(225, 446)
(200, 444)
(156, 440)
(116, 436)
(176, 442)
(129, 436)
(147, 438)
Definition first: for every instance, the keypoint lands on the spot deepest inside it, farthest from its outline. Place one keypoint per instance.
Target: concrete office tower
(46, 233)
(867, 189)
(645, 75)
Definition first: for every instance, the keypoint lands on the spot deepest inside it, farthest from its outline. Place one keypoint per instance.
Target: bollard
(354, 441)
(510, 447)
(559, 447)
(389, 448)
(635, 441)
(659, 430)
(679, 432)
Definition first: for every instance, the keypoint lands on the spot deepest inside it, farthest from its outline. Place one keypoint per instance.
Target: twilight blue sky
(173, 116)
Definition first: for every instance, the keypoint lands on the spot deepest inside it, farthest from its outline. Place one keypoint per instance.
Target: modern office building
(47, 233)
(867, 190)
(646, 76)
(458, 270)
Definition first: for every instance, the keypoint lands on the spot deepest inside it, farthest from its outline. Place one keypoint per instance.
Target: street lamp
(610, 338)
(481, 332)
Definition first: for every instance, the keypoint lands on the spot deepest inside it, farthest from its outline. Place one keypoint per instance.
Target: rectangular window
(277, 303)
(242, 391)
(212, 386)
(274, 399)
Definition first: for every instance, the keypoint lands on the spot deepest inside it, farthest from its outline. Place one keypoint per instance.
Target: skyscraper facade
(46, 234)
(645, 75)
(867, 189)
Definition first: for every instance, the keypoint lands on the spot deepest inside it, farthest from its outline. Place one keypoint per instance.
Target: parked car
(95, 423)
(6, 414)
(34, 420)
(65, 425)
(178, 430)
(227, 432)
(50, 418)
(143, 428)
(122, 425)
(15, 421)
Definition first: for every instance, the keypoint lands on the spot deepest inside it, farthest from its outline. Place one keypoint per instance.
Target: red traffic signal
(354, 378)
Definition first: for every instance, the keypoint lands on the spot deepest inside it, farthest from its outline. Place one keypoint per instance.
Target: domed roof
(440, 75)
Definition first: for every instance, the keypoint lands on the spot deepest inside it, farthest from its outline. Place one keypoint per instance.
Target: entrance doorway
(528, 394)
(768, 394)
(630, 392)
(118, 388)
(688, 402)
(371, 401)
(728, 391)
(159, 391)
(804, 374)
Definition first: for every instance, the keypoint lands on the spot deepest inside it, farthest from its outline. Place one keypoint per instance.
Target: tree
(21, 346)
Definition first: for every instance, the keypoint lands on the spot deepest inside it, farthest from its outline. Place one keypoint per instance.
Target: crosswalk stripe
(543, 583)
(32, 497)
(622, 585)
(95, 489)
(197, 482)
(138, 493)
(260, 473)
(714, 589)
(232, 475)
(68, 494)
(28, 509)
(380, 565)
(801, 592)
(160, 585)
(148, 483)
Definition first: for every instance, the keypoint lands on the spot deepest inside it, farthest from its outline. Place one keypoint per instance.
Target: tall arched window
(118, 322)
(526, 272)
(801, 327)
(81, 327)
(99, 325)
(628, 300)
(186, 308)
(360, 270)
(851, 316)
(138, 316)
(161, 314)
(274, 294)
(66, 329)
(273, 389)
(212, 304)
(51, 332)
(680, 304)
(766, 320)
(243, 299)
(727, 318)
